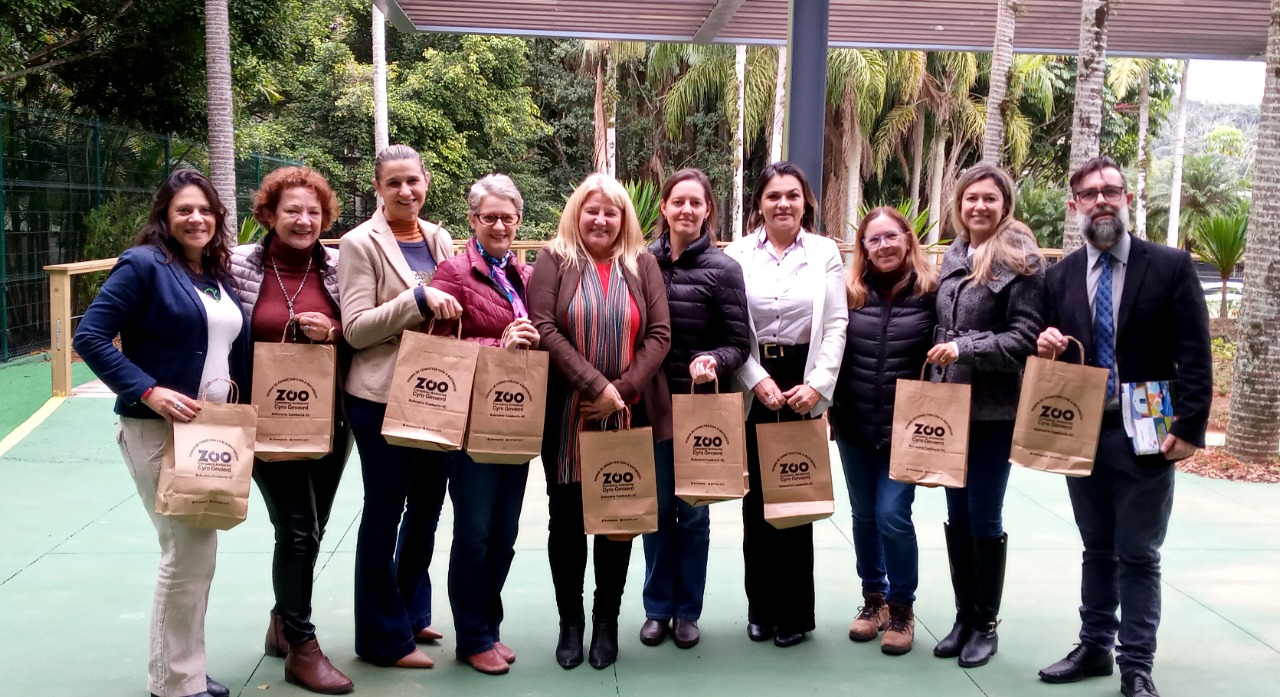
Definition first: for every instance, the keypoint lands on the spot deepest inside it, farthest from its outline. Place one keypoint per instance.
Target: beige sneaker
(901, 630)
(872, 617)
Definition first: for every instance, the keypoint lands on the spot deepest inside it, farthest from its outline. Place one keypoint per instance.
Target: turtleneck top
(271, 313)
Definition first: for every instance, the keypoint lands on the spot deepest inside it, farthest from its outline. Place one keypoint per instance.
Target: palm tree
(955, 118)
(1001, 65)
(904, 124)
(222, 134)
(1253, 427)
(1179, 147)
(779, 106)
(604, 57)
(1086, 122)
(1220, 241)
(855, 94)
(1123, 75)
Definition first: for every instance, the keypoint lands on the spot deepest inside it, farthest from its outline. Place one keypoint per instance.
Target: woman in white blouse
(798, 312)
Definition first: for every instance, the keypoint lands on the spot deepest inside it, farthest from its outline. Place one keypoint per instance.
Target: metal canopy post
(807, 88)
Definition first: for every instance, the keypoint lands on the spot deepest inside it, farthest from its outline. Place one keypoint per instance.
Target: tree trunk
(611, 114)
(853, 164)
(600, 151)
(1144, 154)
(1253, 428)
(1179, 149)
(833, 209)
(917, 157)
(937, 162)
(1001, 65)
(222, 134)
(1086, 122)
(740, 85)
(779, 107)
(381, 132)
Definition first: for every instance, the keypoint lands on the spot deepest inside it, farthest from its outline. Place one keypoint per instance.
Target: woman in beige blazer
(387, 264)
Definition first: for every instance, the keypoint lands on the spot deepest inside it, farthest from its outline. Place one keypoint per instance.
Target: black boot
(604, 642)
(960, 559)
(988, 558)
(569, 648)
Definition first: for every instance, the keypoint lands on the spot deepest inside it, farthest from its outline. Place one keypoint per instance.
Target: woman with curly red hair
(288, 284)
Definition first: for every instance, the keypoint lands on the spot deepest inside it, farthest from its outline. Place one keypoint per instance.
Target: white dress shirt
(780, 290)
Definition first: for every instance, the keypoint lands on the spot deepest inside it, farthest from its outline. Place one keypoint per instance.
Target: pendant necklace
(288, 300)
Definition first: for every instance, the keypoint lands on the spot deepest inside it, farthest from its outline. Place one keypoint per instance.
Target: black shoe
(1138, 684)
(759, 632)
(216, 688)
(569, 647)
(983, 643)
(653, 632)
(989, 554)
(960, 561)
(604, 643)
(784, 640)
(954, 641)
(686, 634)
(1084, 661)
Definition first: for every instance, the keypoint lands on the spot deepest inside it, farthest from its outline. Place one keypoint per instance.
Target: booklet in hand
(1148, 413)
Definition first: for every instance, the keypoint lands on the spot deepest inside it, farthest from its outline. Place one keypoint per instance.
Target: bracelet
(329, 335)
(148, 392)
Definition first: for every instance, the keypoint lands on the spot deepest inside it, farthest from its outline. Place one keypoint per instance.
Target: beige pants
(176, 666)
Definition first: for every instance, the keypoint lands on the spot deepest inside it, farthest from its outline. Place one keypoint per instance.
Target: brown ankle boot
(901, 631)
(275, 646)
(308, 667)
(872, 617)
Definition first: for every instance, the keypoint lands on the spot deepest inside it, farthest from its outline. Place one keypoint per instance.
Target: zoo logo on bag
(793, 469)
(431, 387)
(1056, 415)
(618, 479)
(291, 397)
(213, 458)
(706, 443)
(508, 399)
(929, 432)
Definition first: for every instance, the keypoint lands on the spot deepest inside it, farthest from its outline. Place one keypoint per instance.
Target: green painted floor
(26, 385)
(78, 556)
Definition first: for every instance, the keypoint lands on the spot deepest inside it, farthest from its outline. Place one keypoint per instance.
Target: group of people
(626, 324)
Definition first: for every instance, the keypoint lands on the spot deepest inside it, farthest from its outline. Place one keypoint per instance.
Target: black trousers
(779, 563)
(299, 497)
(567, 552)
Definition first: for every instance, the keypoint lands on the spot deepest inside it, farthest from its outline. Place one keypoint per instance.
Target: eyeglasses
(508, 220)
(886, 238)
(1112, 194)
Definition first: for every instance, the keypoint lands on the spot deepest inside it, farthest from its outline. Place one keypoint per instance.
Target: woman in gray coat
(990, 311)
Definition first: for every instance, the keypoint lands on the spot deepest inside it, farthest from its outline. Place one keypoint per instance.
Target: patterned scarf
(599, 327)
(498, 272)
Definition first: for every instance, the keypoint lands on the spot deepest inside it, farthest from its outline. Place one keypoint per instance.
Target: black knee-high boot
(989, 563)
(960, 559)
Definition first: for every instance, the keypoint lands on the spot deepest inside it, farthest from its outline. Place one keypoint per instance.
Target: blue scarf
(498, 272)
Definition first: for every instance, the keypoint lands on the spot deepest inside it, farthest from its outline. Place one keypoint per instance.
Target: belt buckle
(777, 351)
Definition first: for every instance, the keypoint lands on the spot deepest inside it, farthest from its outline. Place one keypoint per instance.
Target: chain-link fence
(74, 189)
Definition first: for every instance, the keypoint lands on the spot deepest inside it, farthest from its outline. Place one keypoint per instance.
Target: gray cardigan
(995, 325)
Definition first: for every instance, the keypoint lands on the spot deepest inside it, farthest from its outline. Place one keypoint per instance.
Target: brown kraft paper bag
(430, 393)
(294, 388)
(710, 447)
(207, 464)
(795, 472)
(930, 443)
(1059, 416)
(508, 405)
(619, 487)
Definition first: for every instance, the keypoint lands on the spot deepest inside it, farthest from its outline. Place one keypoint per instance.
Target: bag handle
(1078, 345)
(624, 420)
(233, 395)
(923, 368)
(284, 333)
(431, 323)
(693, 385)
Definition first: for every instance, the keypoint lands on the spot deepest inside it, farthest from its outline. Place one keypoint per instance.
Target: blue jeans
(979, 506)
(486, 517)
(884, 538)
(1122, 510)
(403, 491)
(675, 557)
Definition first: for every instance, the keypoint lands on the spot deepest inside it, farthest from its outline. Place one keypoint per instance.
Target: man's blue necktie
(1104, 335)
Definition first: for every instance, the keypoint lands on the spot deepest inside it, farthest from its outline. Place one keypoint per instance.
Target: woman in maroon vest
(489, 281)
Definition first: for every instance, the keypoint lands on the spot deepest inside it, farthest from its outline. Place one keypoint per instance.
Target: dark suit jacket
(1162, 332)
(550, 290)
(153, 306)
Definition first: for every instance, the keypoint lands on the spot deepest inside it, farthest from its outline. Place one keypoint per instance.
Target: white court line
(30, 424)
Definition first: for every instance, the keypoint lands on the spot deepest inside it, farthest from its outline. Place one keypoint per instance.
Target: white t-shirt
(225, 322)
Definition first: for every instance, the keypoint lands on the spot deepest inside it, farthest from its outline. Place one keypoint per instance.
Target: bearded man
(1139, 310)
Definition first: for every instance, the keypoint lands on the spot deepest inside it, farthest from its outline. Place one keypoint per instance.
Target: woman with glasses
(489, 280)
(891, 290)
(990, 312)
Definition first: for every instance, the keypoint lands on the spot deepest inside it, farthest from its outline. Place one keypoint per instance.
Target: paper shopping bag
(508, 405)
(619, 488)
(795, 472)
(206, 466)
(710, 447)
(430, 394)
(294, 388)
(1059, 416)
(930, 442)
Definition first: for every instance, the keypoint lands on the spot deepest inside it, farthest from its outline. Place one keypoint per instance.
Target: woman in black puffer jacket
(709, 339)
(892, 290)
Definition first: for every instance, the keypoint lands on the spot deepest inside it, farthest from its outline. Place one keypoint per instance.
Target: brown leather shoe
(428, 635)
(275, 646)
(415, 659)
(505, 651)
(872, 617)
(489, 662)
(307, 666)
(901, 632)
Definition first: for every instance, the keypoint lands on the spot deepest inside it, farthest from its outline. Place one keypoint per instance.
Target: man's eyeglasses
(1111, 194)
(489, 219)
(886, 238)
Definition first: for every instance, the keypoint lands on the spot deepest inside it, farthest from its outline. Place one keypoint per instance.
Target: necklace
(288, 300)
(214, 292)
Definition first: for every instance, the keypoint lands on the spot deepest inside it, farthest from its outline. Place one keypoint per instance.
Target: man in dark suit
(1139, 311)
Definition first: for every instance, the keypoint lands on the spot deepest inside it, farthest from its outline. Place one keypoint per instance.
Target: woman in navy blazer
(171, 301)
